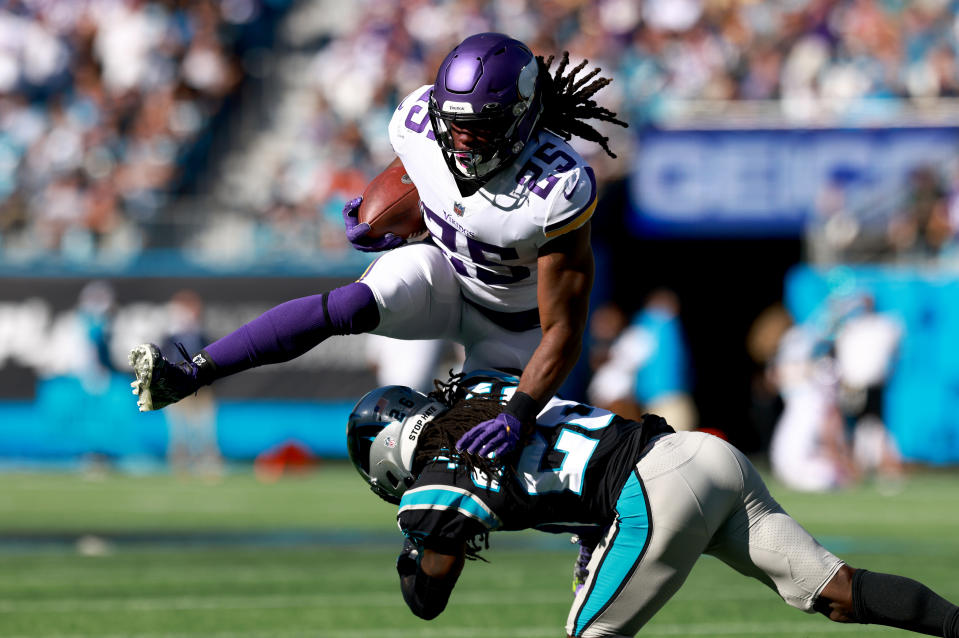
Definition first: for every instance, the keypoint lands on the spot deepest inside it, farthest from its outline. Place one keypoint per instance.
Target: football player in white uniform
(507, 268)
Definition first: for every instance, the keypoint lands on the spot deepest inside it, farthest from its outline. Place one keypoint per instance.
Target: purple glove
(356, 232)
(497, 436)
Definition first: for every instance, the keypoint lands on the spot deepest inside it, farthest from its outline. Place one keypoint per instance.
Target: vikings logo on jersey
(492, 237)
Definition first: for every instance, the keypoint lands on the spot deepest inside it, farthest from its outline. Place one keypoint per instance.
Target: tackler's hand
(408, 560)
(357, 233)
(495, 437)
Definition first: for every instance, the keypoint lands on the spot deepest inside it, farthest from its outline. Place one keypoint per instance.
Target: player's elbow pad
(426, 596)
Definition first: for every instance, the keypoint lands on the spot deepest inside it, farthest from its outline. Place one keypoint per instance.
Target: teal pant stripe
(442, 499)
(623, 554)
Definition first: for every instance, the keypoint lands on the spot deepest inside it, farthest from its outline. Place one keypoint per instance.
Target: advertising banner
(769, 182)
(65, 381)
(44, 331)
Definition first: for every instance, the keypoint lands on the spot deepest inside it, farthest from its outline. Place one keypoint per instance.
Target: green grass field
(313, 556)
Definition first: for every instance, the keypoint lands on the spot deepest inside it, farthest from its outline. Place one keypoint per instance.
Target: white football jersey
(492, 237)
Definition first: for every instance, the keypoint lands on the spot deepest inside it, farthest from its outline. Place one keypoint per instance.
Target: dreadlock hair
(441, 434)
(448, 392)
(567, 101)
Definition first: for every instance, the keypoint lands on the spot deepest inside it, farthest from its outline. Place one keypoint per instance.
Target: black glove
(408, 560)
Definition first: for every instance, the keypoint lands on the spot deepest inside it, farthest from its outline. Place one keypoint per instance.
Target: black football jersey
(569, 475)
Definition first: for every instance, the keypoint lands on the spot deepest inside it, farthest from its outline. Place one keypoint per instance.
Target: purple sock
(292, 328)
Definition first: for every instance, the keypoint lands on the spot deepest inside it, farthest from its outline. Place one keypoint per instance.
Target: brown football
(391, 204)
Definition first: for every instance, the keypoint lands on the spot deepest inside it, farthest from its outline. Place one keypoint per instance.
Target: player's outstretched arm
(427, 578)
(565, 268)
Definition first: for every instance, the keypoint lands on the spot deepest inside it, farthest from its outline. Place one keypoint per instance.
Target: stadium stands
(160, 137)
(226, 125)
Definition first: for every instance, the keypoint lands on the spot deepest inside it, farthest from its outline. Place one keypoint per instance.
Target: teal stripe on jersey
(633, 529)
(450, 498)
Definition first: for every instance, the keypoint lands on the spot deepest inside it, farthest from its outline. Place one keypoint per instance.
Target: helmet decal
(382, 433)
(449, 106)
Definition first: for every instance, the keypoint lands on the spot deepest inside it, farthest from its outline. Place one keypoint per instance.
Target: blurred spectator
(192, 447)
(80, 340)
(922, 229)
(648, 366)
(866, 345)
(605, 324)
(79, 389)
(663, 382)
(808, 450)
(762, 343)
(617, 349)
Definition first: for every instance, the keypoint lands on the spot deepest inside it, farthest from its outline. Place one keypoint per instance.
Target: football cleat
(160, 382)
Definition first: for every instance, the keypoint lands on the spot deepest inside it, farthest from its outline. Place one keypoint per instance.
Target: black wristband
(206, 370)
(523, 407)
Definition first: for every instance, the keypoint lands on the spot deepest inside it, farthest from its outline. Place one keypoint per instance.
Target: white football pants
(690, 494)
(419, 298)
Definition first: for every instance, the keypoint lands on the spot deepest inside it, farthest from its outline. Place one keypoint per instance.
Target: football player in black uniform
(663, 498)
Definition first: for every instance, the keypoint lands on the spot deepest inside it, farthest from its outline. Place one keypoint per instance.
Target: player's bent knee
(352, 309)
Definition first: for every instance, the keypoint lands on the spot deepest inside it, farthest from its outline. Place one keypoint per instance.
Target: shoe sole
(141, 358)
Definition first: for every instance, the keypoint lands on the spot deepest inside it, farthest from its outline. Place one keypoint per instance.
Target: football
(391, 204)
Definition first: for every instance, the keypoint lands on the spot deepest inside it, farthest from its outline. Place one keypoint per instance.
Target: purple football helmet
(490, 81)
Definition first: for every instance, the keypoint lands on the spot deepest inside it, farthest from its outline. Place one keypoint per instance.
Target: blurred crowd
(815, 61)
(101, 101)
(918, 224)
